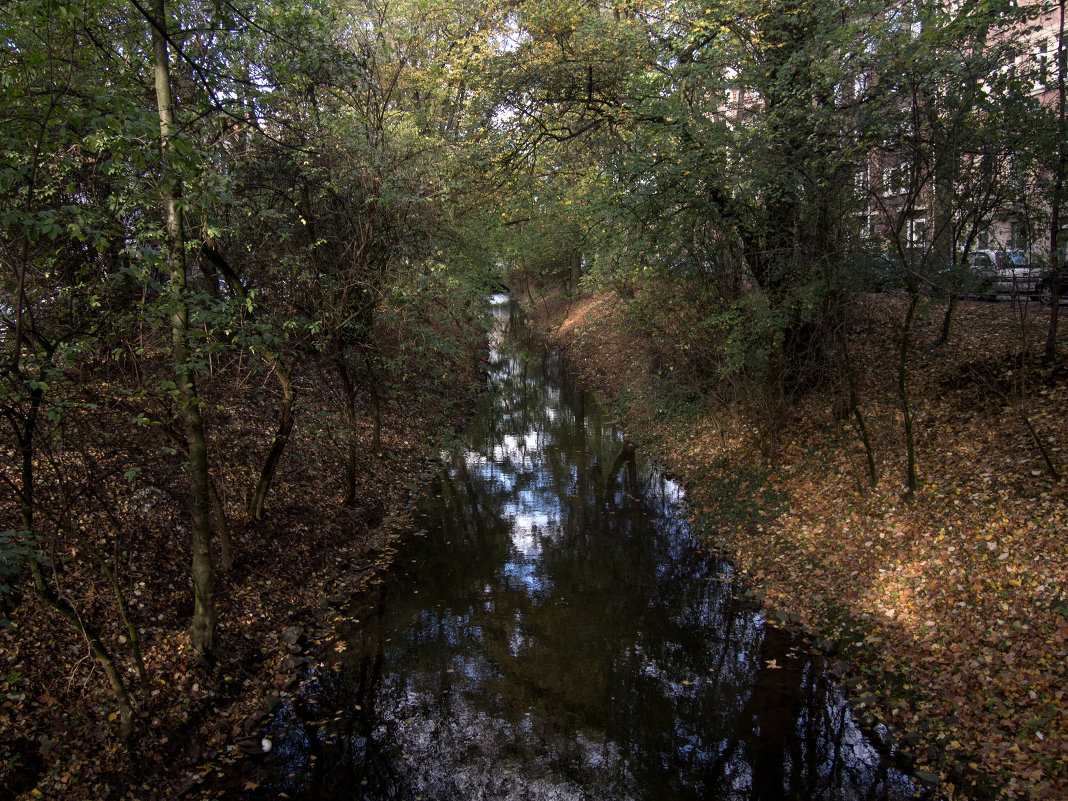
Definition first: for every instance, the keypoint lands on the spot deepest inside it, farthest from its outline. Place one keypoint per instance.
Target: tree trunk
(1058, 193)
(202, 628)
(222, 528)
(96, 646)
(110, 572)
(131, 633)
(854, 406)
(376, 405)
(903, 394)
(947, 318)
(574, 273)
(24, 442)
(283, 372)
(376, 436)
(281, 437)
(349, 387)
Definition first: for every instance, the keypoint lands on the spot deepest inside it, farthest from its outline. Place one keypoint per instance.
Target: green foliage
(765, 162)
(317, 166)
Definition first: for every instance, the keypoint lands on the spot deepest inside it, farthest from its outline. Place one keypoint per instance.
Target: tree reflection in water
(559, 634)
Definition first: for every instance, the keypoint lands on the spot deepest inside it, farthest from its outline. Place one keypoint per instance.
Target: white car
(1003, 271)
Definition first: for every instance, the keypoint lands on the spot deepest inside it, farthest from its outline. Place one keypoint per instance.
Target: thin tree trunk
(127, 622)
(903, 394)
(24, 441)
(1058, 193)
(376, 438)
(854, 406)
(574, 273)
(349, 386)
(202, 628)
(222, 528)
(110, 572)
(96, 646)
(283, 372)
(131, 632)
(1052, 468)
(947, 319)
(281, 437)
(376, 406)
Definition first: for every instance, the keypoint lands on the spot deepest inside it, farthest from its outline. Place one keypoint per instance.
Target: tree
(944, 116)
(1057, 191)
(202, 627)
(58, 298)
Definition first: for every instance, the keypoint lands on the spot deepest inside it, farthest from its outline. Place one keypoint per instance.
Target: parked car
(1044, 286)
(994, 272)
(885, 272)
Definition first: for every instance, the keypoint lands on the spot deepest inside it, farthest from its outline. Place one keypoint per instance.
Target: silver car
(1003, 271)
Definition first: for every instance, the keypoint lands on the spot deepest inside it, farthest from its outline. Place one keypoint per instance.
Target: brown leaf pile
(58, 728)
(952, 603)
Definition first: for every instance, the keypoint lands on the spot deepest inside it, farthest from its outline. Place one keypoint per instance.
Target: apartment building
(1024, 224)
(990, 202)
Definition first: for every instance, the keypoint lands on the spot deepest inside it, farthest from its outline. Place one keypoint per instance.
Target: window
(860, 181)
(1018, 238)
(895, 178)
(917, 231)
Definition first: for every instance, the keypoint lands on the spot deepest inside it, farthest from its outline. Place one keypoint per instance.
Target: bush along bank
(945, 609)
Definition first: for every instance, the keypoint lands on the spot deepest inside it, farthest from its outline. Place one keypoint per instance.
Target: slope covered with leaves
(58, 728)
(949, 608)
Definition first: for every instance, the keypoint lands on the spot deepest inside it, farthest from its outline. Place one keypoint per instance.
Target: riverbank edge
(297, 567)
(298, 643)
(919, 725)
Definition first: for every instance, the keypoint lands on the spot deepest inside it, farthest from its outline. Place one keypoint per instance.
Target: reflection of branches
(472, 497)
(454, 493)
(625, 458)
(626, 614)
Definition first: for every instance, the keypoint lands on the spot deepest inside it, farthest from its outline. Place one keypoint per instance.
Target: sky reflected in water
(557, 633)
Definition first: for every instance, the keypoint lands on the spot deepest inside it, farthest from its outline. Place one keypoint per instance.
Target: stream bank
(950, 609)
(558, 632)
(294, 568)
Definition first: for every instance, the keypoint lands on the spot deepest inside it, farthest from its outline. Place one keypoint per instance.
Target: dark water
(557, 633)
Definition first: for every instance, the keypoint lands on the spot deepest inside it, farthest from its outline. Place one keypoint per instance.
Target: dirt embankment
(951, 605)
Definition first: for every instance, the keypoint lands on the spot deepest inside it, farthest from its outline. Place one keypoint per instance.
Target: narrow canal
(558, 633)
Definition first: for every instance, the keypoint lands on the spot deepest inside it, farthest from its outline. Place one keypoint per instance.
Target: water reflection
(558, 634)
